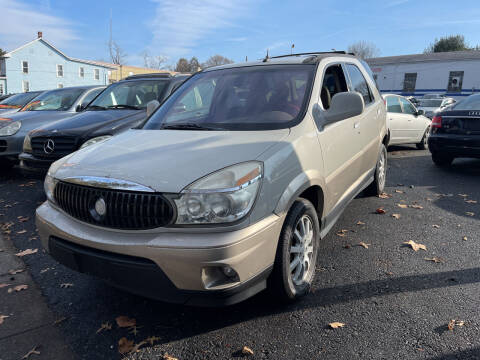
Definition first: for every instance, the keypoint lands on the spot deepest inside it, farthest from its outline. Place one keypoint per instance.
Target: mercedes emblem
(49, 146)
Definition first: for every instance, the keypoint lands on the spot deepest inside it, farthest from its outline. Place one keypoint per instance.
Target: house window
(25, 67)
(1, 89)
(455, 81)
(25, 86)
(59, 70)
(81, 72)
(409, 82)
(60, 86)
(96, 74)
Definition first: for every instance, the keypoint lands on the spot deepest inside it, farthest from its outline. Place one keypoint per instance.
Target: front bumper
(30, 163)
(11, 147)
(172, 265)
(455, 145)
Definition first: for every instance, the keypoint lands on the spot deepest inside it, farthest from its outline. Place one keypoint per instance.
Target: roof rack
(149, 75)
(312, 53)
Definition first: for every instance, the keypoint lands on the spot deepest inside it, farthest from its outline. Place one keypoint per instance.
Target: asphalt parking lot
(394, 303)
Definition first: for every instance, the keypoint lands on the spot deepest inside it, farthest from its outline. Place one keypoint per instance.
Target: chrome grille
(63, 145)
(127, 210)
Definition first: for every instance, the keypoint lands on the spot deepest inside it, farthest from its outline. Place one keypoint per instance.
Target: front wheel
(422, 145)
(380, 177)
(297, 250)
(442, 160)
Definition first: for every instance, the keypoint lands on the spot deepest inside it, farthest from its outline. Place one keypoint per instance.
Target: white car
(430, 106)
(405, 123)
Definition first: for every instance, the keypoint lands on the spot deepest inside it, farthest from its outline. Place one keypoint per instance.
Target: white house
(454, 74)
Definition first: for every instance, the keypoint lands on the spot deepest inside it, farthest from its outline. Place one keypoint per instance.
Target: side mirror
(152, 106)
(80, 107)
(420, 112)
(343, 106)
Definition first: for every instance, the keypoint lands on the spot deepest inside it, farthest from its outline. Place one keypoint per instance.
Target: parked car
(46, 108)
(121, 106)
(432, 105)
(413, 100)
(433, 96)
(227, 187)
(406, 124)
(5, 96)
(14, 103)
(455, 132)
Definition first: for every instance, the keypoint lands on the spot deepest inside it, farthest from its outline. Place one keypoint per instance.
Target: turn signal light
(436, 122)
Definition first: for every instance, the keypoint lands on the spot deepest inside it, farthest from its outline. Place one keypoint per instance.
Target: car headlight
(95, 140)
(27, 144)
(10, 129)
(49, 186)
(222, 197)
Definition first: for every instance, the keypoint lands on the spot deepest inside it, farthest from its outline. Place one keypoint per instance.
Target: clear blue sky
(235, 28)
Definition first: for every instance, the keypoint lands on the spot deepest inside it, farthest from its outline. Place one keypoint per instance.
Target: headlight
(95, 140)
(27, 144)
(222, 197)
(49, 186)
(10, 129)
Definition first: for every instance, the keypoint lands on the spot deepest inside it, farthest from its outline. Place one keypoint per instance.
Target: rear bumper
(30, 163)
(178, 265)
(455, 145)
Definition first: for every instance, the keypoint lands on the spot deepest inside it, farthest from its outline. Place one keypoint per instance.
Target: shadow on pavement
(469, 354)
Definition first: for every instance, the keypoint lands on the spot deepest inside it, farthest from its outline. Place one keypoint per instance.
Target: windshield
(18, 100)
(431, 103)
(248, 98)
(55, 100)
(470, 103)
(130, 94)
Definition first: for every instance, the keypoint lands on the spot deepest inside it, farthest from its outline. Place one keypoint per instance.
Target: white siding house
(455, 74)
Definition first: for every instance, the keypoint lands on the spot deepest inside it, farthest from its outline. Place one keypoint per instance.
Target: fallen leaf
(435, 259)
(137, 347)
(14, 272)
(44, 270)
(399, 191)
(384, 195)
(59, 321)
(451, 325)
(403, 206)
(168, 357)
(125, 345)
(125, 321)
(66, 285)
(247, 351)
(342, 233)
(389, 273)
(380, 211)
(134, 330)
(459, 323)
(2, 318)
(34, 351)
(4, 285)
(436, 226)
(336, 325)
(152, 339)
(396, 216)
(21, 232)
(469, 213)
(465, 238)
(104, 326)
(415, 246)
(23, 219)
(18, 288)
(360, 223)
(361, 243)
(416, 206)
(471, 201)
(463, 195)
(27, 252)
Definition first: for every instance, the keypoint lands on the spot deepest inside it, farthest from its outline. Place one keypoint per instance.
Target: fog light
(219, 277)
(228, 271)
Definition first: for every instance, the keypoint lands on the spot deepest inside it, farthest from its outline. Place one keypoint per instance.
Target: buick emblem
(100, 207)
(49, 146)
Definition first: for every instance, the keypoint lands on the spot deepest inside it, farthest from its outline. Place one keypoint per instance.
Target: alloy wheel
(301, 250)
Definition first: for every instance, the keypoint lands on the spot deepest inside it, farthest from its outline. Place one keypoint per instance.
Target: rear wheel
(442, 160)
(380, 177)
(422, 145)
(297, 250)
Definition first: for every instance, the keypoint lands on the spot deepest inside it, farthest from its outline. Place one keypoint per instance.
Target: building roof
(441, 56)
(90, 62)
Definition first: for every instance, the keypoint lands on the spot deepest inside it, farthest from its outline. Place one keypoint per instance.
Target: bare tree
(117, 55)
(216, 60)
(154, 62)
(2, 53)
(364, 49)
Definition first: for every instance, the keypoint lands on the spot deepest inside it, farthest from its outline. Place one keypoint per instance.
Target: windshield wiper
(123, 107)
(188, 126)
(96, 107)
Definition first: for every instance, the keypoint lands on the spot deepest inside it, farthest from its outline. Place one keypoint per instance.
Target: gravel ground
(393, 302)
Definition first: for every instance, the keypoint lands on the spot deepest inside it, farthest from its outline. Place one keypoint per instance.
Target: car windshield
(247, 98)
(17, 101)
(434, 103)
(470, 103)
(55, 100)
(130, 95)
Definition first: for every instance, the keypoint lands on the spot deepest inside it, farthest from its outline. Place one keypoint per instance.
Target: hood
(91, 123)
(167, 160)
(6, 111)
(429, 109)
(30, 115)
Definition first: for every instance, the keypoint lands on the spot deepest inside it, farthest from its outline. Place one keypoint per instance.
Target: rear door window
(393, 105)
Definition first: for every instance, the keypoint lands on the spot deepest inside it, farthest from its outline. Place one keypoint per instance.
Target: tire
(380, 177)
(442, 160)
(423, 145)
(284, 284)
